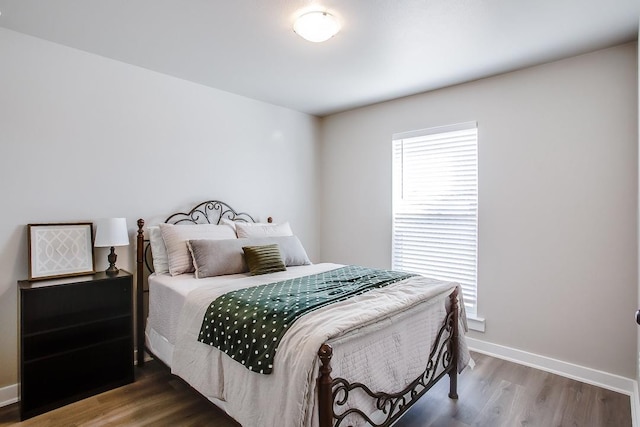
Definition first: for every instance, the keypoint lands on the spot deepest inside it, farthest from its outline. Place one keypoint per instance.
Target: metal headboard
(209, 212)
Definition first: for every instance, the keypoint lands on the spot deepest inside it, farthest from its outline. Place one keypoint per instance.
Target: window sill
(475, 323)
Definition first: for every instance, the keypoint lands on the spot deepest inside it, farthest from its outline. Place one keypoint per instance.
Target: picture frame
(60, 250)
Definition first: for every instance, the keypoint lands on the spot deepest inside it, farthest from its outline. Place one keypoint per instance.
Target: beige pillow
(217, 257)
(263, 230)
(175, 239)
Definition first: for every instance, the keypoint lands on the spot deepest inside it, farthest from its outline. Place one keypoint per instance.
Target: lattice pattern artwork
(60, 249)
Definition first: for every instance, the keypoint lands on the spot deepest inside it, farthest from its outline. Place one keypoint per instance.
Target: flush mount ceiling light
(316, 26)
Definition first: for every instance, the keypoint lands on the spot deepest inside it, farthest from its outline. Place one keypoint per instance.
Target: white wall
(557, 200)
(83, 137)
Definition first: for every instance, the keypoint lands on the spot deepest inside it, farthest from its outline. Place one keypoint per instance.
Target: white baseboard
(8, 395)
(580, 373)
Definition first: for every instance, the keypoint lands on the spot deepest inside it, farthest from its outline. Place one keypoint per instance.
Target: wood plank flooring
(495, 393)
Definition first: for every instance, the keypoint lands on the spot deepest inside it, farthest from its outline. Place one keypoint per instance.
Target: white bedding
(400, 321)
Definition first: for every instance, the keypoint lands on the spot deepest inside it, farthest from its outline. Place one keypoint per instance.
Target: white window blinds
(435, 205)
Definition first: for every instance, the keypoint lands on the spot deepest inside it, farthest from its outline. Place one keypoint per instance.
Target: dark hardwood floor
(495, 393)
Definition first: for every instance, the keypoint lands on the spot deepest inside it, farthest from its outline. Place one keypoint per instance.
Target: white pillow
(175, 239)
(232, 223)
(158, 250)
(263, 230)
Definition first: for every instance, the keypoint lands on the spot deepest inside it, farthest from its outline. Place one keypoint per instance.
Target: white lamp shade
(316, 26)
(111, 232)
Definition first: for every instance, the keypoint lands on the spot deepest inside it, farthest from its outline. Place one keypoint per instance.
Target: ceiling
(386, 48)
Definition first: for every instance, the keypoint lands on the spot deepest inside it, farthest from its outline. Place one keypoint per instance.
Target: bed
(362, 360)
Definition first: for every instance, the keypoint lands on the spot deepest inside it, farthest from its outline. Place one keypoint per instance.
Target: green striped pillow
(263, 259)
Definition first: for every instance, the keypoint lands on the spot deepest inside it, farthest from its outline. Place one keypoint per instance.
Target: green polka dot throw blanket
(248, 324)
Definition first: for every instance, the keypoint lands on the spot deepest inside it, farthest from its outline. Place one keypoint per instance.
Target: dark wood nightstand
(76, 339)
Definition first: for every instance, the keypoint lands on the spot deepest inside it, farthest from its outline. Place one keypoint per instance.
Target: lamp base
(112, 270)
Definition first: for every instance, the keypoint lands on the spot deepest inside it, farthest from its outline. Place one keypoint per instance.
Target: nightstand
(76, 339)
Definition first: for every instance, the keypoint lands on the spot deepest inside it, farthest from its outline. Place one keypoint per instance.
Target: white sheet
(399, 321)
(167, 297)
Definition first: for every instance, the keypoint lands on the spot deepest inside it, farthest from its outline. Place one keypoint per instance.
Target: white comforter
(400, 321)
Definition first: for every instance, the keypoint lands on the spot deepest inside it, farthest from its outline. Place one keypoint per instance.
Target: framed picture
(60, 250)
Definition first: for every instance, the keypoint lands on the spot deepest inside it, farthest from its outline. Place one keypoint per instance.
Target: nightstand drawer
(59, 307)
(70, 339)
(54, 381)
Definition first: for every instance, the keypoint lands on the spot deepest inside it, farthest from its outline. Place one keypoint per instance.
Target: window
(435, 205)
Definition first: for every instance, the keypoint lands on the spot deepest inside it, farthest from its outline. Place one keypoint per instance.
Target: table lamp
(111, 232)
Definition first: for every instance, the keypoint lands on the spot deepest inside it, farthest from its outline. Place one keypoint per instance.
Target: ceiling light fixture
(316, 26)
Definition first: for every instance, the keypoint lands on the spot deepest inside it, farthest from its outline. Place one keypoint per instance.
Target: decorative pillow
(263, 230)
(175, 239)
(263, 259)
(218, 257)
(291, 249)
(158, 250)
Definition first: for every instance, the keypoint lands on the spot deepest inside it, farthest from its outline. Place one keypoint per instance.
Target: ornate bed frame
(333, 393)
